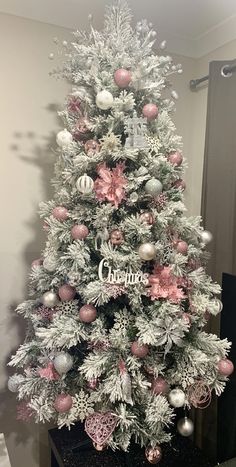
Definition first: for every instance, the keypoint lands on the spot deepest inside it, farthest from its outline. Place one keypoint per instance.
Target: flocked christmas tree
(120, 298)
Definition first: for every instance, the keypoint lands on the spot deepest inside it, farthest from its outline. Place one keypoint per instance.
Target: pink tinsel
(24, 412)
(165, 285)
(49, 372)
(110, 183)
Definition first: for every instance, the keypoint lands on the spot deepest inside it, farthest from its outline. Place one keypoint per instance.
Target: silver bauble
(104, 100)
(50, 263)
(63, 362)
(176, 398)
(133, 197)
(153, 187)
(206, 236)
(216, 306)
(64, 138)
(85, 184)
(185, 426)
(14, 382)
(50, 299)
(147, 251)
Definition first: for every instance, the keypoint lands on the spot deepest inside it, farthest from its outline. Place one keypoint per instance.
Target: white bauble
(176, 398)
(63, 362)
(50, 299)
(147, 251)
(14, 382)
(206, 236)
(64, 138)
(153, 187)
(185, 426)
(85, 184)
(104, 100)
(50, 263)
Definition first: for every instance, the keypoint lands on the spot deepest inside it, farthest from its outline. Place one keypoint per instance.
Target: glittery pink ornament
(225, 367)
(179, 184)
(146, 218)
(66, 292)
(79, 232)
(37, 262)
(150, 111)
(92, 384)
(116, 237)
(153, 455)
(87, 313)
(92, 147)
(181, 247)
(82, 128)
(175, 158)
(160, 386)
(63, 403)
(139, 350)
(46, 313)
(122, 77)
(60, 213)
(186, 318)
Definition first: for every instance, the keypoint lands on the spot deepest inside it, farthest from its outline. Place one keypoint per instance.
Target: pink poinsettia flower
(110, 185)
(165, 285)
(49, 372)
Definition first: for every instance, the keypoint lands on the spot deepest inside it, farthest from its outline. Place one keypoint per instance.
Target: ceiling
(191, 27)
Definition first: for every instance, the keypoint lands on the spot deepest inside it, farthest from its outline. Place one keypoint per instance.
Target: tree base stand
(74, 449)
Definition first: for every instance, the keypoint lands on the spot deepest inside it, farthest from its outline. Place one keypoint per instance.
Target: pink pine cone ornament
(99, 426)
(110, 184)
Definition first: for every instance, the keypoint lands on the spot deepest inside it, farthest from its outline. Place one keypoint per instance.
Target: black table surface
(74, 449)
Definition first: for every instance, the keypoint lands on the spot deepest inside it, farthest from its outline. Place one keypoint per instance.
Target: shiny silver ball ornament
(216, 306)
(153, 187)
(85, 184)
(104, 100)
(153, 455)
(14, 382)
(206, 237)
(64, 138)
(133, 197)
(50, 299)
(176, 398)
(63, 362)
(185, 426)
(147, 251)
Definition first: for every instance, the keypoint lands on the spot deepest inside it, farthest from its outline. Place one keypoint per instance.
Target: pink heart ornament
(100, 425)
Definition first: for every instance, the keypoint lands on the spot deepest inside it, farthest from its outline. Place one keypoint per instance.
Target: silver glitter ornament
(176, 398)
(14, 382)
(147, 251)
(104, 100)
(50, 299)
(185, 426)
(206, 237)
(133, 197)
(63, 362)
(153, 187)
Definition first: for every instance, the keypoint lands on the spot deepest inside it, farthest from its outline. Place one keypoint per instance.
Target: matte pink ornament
(180, 184)
(181, 247)
(63, 403)
(87, 313)
(37, 262)
(91, 147)
(122, 77)
(139, 350)
(150, 111)
(66, 292)
(79, 232)
(60, 213)
(160, 386)
(175, 158)
(225, 367)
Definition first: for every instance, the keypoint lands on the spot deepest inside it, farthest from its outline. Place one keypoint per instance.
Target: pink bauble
(181, 247)
(180, 184)
(139, 350)
(79, 232)
(37, 262)
(146, 218)
(122, 77)
(82, 128)
(160, 386)
(225, 367)
(91, 147)
(150, 111)
(66, 292)
(92, 384)
(175, 158)
(186, 318)
(63, 403)
(87, 313)
(60, 213)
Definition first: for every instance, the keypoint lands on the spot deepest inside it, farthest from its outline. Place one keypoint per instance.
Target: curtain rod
(226, 71)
